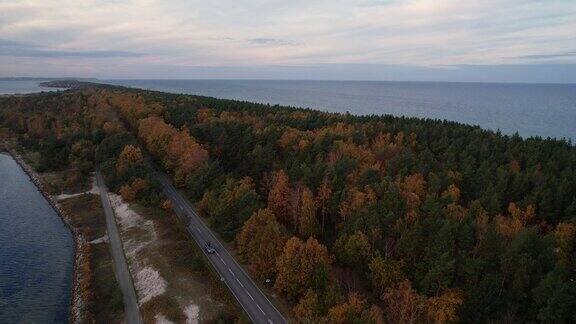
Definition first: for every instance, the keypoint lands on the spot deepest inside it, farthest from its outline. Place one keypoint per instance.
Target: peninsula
(288, 214)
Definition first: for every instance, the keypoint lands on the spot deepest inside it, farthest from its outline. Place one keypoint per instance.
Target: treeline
(77, 131)
(354, 219)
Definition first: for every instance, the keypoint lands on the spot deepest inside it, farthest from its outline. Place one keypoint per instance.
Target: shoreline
(77, 305)
(75, 84)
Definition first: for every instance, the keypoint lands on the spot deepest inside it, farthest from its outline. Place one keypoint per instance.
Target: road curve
(250, 297)
(120, 266)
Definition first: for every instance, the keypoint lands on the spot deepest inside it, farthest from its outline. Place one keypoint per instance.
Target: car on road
(209, 248)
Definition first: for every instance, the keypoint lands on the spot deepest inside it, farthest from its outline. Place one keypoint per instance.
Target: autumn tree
(167, 205)
(415, 184)
(111, 127)
(133, 106)
(510, 226)
(565, 235)
(289, 138)
(130, 156)
(308, 308)
(452, 192)
(413, 189)
(156, 134)
(279, 197)
(129, 192)
(385, 274)
(347, 312)
(295, 209)
(185, 153)
(260, 242)
(404, 304)
(36, 125)
(444, 308)
(374, 315)
(324, 195)
(356, 201)
(300, 266)
(354, 250)
(308, 221)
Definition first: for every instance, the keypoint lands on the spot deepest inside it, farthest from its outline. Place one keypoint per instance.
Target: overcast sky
(483, 40)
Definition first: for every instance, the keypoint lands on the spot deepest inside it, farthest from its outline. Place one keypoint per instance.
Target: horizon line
(32, 78)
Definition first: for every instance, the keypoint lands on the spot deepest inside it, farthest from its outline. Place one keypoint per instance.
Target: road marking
(194, 218)
(240, 282)
(260, 309)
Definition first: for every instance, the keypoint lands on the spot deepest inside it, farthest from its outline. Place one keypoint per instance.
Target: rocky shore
(78, 302)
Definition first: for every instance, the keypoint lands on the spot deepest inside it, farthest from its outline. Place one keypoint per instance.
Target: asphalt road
(254, 302)
(120, 266)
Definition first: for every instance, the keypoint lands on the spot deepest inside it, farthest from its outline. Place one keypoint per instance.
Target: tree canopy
(354, 218)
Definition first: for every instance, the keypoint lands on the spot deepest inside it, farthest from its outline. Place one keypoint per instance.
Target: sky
(419, 40)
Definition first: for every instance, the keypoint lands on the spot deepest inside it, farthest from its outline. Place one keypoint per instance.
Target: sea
(21, 87)
(36, 252)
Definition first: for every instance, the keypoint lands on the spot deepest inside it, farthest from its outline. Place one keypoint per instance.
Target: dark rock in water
(68, 84)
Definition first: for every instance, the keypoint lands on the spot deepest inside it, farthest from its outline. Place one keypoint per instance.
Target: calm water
(36, 252)
(529, 109)
(21, 87)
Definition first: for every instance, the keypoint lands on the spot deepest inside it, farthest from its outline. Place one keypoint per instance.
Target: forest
(354, 219)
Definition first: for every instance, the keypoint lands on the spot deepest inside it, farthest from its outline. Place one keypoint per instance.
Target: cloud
(19, 49)
(548, 56)
(221, 33)
(269, 41)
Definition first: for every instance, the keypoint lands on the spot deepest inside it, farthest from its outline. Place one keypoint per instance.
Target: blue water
(547, 110)
(21, 87)
(36, 252)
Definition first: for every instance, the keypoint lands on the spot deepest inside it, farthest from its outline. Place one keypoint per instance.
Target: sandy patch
(192, 313)
(147, 281)
(160, 319)
(125, 216)
(149, 284)
(66, 196)
(103, 239)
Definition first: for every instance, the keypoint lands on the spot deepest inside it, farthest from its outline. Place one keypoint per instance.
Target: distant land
(44, 78)
(63, 83)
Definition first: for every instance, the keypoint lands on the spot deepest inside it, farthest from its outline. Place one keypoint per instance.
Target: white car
(209, 249)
